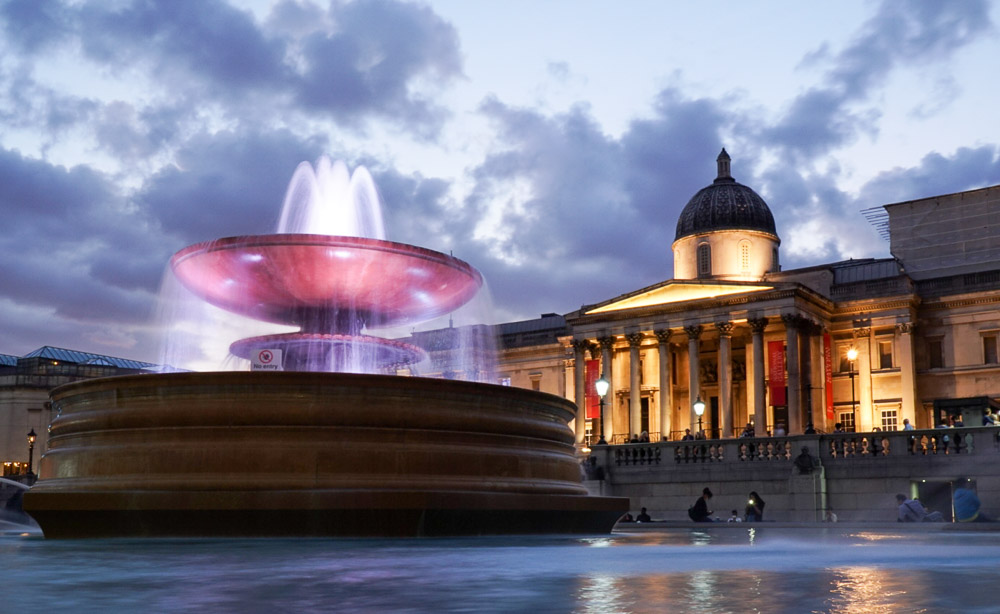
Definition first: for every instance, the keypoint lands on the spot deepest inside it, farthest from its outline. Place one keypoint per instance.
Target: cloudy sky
(550, 144)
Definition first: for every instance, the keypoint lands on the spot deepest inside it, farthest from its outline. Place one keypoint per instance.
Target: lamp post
(852, 355)
(31, 447)
(601, 385)
(699, 410)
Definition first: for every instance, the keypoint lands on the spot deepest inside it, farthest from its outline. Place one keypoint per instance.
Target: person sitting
(748, 431)
(699, 512)
(626, 518)
(911, 510)
(754, 510)
(643, 516)
(735, 517)
(830, 516)
(967, 504)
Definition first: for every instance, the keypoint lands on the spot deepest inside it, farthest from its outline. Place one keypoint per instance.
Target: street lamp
(699, 410)
(601, 386)
(31, 447)
(852, 355)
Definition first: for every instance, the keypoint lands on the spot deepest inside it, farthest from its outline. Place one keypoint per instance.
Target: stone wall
(857, 474)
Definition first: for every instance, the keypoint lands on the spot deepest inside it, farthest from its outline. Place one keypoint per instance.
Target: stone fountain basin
(309, 279)
(296, 453)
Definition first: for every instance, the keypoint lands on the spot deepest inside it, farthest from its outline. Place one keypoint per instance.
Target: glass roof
(77, 357)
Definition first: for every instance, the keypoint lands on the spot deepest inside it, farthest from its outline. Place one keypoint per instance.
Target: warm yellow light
(852, 354)
(699, 407)
(602, 386)
(677, 292)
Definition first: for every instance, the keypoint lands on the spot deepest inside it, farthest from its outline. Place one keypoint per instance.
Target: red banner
(590, 392)
(828, 375)
(776, 372)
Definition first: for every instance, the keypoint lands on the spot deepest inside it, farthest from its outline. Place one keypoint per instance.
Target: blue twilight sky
(550, 144)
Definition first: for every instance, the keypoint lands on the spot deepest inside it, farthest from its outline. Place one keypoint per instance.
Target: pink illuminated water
(315, 292)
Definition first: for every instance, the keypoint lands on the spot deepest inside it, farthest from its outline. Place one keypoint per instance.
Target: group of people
(753, 512)
(965, 502)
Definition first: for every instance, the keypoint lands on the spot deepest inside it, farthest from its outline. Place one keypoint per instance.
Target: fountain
(331, 444)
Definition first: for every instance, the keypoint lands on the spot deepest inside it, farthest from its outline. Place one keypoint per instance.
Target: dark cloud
(31, 25)
(225, 184)
(369, 63)
(937, 174)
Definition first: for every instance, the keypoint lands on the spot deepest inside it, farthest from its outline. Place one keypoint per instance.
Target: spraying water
(313, 292)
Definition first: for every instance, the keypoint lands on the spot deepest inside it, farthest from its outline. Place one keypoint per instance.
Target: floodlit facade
(772, 348)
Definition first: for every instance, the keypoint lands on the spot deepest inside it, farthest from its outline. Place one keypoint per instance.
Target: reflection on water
(753, 570)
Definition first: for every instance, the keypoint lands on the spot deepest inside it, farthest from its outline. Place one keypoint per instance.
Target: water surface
(672, 570)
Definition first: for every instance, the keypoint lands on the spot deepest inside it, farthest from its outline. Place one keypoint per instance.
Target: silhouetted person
(804, 462)
(643, 516)
(699, 512)
(754, 511)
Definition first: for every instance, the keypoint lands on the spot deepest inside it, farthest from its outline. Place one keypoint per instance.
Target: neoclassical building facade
(863, 343)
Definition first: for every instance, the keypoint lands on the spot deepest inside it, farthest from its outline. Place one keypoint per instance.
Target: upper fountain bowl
(303, 279)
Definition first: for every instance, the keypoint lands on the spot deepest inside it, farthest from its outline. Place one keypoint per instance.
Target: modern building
(25, 383)
(862, 343)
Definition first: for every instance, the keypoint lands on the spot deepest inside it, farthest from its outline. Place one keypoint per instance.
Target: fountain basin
(302, 453)
(325, 283)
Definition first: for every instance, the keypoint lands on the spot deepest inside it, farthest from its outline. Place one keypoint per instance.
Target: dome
(725, 205)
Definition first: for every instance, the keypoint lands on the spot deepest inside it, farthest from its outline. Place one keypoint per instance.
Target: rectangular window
(847, 420)
(990, 349)
(885, 354)
(889, 420)
(935, 353)
(704, 260)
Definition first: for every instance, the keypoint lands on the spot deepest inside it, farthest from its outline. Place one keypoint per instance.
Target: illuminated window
(704, 260)
(745, 256)
(505, 381)
(847, 421)
(889, 420)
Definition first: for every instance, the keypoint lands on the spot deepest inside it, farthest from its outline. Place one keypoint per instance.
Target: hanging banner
(776, 372)
(590, 392)
(828, 375)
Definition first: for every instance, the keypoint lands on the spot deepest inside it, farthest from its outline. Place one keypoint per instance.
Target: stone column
(759, 390)
(725, 329)
(694, 334)
(580, 347)
(607, 370)
(862, 342)
(634, 382)
(907, 373)
(794, 395)
(666, 386)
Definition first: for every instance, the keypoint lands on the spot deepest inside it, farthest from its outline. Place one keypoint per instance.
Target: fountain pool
(822, 570)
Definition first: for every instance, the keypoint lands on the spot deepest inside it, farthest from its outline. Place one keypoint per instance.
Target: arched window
(745, 256)
(704, 260)
(774, 259)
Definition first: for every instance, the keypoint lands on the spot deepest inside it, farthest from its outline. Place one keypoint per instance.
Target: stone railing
(830, 448)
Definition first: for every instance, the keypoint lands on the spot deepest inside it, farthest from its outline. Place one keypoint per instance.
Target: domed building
(864, 343)
(726, 231)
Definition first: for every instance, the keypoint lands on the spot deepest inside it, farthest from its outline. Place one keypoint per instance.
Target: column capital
(581, 345)
(693, 331)
(607, 343)
(862, 332)
(725, 328)
(757, 325)
(635, 339)
(791, 320)
(905, 327)
(663, 335)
